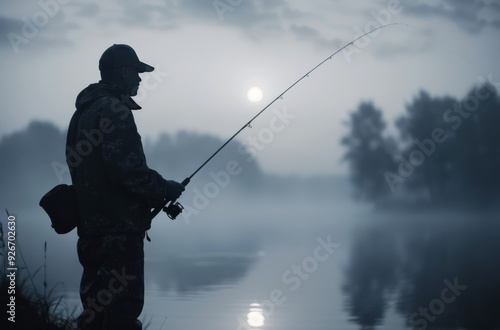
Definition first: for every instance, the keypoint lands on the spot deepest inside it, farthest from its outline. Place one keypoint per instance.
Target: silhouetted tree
(455, 146)
(369, 152)
(180, 154)
(450, 150)
(26, 168)
(477, 145)
(426, 144)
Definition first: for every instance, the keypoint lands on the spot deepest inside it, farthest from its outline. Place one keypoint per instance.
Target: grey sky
(208, 53)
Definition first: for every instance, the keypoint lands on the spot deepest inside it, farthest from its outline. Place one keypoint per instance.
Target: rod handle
(185, 182)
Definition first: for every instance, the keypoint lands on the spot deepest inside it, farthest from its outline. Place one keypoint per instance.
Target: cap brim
(143, 67)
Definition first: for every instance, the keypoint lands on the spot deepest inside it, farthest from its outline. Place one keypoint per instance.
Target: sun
(254, 94)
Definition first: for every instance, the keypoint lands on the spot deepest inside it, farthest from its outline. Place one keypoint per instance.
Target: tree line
(446, 151)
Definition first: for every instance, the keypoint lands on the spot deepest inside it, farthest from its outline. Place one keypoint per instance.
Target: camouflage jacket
(115, 188)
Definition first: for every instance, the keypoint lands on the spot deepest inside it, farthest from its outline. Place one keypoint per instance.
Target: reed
(46, 311)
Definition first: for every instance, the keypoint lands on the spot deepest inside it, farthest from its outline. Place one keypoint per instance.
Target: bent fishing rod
(174, 208)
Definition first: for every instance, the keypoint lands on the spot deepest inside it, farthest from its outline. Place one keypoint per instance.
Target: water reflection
(255, 316)
(436, 272)
(192, 274)
(371, 277)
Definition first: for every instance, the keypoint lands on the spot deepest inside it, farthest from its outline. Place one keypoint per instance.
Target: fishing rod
(175, 208)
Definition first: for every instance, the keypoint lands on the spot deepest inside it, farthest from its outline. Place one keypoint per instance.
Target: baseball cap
(120, 55)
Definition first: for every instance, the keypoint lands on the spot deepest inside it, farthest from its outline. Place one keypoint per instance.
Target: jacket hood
(98, 90)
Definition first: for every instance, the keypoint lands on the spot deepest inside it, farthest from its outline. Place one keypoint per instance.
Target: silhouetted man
(115, 192)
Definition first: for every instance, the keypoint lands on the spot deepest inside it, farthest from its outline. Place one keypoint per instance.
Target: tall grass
(46, 311)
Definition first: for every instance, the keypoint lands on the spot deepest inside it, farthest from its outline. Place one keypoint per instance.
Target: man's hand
(174, 190)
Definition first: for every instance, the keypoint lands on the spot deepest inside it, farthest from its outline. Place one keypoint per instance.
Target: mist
(232, 208)
(246, 236)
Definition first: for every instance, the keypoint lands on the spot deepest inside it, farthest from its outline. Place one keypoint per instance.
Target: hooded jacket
(115, 188)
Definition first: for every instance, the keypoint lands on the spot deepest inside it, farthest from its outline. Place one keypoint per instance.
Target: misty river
(307, 264)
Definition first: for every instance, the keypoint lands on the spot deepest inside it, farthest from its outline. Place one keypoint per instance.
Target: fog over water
(300, 248)
(367, 197)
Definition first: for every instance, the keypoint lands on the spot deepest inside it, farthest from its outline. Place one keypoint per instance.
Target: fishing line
(174, 208)
(280, 96)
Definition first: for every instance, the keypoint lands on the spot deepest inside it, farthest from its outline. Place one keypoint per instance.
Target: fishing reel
(173, 210)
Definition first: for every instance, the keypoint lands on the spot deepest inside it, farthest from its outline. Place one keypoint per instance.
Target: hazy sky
(207, 54)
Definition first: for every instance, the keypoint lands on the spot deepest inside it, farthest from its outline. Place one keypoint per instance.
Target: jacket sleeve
(123, 155)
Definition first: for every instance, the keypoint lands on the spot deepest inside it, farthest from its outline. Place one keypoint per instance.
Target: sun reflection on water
(255, 317)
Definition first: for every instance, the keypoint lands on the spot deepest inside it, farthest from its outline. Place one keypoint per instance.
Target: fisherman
(115, 191)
